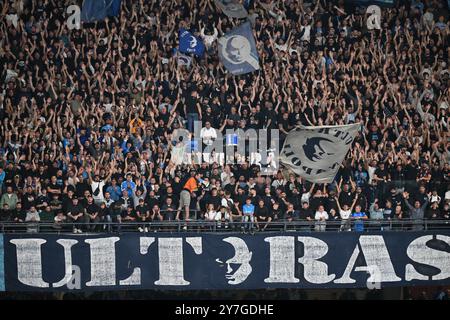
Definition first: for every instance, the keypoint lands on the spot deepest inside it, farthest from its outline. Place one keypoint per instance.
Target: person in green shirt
(9, 198)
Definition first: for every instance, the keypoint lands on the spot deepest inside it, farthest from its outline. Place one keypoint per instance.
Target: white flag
(177, 154)
(316, 153)
(184, 60)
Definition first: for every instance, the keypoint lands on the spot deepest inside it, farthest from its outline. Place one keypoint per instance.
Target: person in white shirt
(208, 40)
(208, 134)
(434, 197)
(212, 215)
(345, 213)
(33, 217)
(97, 185)
(226, 175)
(321, 218)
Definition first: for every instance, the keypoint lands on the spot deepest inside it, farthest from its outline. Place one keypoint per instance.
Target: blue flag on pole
(190, 43)
(97, 10)
(237, 50)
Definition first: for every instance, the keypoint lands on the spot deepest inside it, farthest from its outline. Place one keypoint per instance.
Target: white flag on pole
(177, 154)
(183, 60)
(316, 153)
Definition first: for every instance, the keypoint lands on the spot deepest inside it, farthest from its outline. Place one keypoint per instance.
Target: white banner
(177, 154)
(316, 153)
(232, 8)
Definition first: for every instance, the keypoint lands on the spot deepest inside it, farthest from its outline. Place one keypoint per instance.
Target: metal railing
(236, 226)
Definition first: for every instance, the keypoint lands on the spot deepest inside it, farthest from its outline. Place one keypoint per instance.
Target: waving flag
(237, 50)
(316, 153)
(232, 8)
(97, 10)
(190, 43)
(183, 60)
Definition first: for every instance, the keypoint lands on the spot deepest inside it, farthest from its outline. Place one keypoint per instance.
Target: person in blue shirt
(128, 185)
(248, 209)
(114, 190)
(2, 178)
(358, 216)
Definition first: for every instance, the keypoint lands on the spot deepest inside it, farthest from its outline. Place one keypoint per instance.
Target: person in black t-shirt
(306, 216)
(75, 214)
(143, 215)
(263, 216)
(93, 214)
(192, 110)
(346, 195)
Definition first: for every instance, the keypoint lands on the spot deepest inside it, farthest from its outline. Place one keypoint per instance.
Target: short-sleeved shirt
(359, 225)
(248, 209)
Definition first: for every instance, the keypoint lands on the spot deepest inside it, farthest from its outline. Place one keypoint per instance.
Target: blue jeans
(248, 222)
(191, 117)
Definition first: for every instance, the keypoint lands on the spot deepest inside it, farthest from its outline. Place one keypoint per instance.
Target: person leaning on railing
(358, 217)
(305, 216)
(263, 216)
(321, 218)
(376, 214)
(345, 213)
(416, 212)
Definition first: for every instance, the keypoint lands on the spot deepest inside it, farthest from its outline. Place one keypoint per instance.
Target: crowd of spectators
(87, 116)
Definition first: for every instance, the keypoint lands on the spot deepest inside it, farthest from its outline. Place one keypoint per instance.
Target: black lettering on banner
(324, 130)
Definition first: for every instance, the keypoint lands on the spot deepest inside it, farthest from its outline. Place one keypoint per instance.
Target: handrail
(212, 226)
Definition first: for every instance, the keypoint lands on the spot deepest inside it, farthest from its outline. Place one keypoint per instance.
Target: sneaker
(145, 229)
(140, 229)
(185, 228)
(74, 230)
(79, 231)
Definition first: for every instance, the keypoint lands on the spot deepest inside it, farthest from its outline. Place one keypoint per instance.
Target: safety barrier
(213, 226)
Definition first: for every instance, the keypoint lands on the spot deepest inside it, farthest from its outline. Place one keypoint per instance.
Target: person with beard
(67, 199)
(422, 195)
(18, 215)
(282, 200)
(75, 215)
(295, 199)
(394, 197)
(231, 187)
(330, 201)
(152, 199)
(263, 216)
(318, 199)
(382, 178)
(290, 215)
(214, 199)
(28, 198)
(42, 200)
(143, 215)
(345, 194)
(306, 216)
(416, 211)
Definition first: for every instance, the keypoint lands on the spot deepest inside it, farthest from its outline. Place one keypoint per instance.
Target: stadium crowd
(87, 116)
